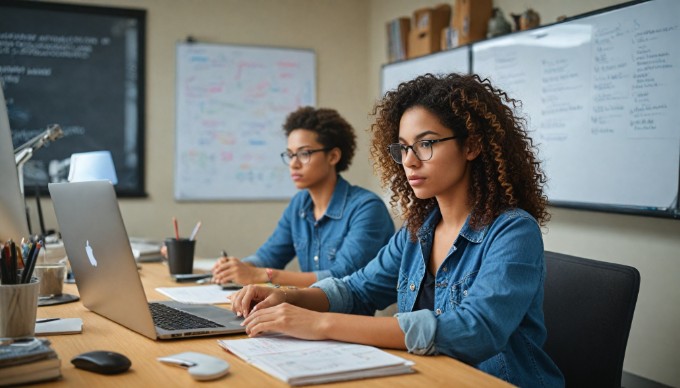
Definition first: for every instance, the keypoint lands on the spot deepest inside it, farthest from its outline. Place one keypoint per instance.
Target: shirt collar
(467, 231)
(338, 199)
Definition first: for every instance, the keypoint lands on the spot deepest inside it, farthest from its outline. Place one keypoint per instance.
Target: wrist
(325, 324)
(288, 294)
(269, 275)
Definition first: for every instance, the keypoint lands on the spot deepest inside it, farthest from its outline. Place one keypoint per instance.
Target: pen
(195, 231)
(4, 268)
(28, 264)
(26, 278)
(43, 320)
(13, 263)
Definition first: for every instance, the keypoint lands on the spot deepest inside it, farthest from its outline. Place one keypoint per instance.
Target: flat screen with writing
(80, 67)
(450, 61)
(601, 96)
(231, 104)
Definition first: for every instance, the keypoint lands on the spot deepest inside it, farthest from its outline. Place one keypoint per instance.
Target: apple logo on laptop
(90, 253)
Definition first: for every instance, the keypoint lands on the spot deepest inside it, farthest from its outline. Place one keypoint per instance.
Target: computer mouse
(102, 361)
(201, 367)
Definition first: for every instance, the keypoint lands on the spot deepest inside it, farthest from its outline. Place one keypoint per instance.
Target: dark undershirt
(425, 299)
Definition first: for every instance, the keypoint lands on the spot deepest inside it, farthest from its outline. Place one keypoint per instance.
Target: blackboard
(80, 67)
(232, 101)
(450, 61)
(601, 96)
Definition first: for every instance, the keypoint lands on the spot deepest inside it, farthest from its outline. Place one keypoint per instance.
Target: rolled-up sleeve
(339, 295)
(320, 275)
(420, 328)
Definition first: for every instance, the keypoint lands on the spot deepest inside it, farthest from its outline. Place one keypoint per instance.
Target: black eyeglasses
(303, 156)
(422, 149)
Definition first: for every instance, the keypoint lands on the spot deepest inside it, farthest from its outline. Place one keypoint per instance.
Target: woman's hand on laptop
(231, 269)
(287, 319)
(252, 298)
(267, 310)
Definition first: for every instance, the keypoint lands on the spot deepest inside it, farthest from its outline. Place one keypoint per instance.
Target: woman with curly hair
(332, 227)
(467, 267)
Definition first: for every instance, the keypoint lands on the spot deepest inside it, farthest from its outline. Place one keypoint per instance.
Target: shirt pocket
(460, 289)
(330, 248)
(300, 244)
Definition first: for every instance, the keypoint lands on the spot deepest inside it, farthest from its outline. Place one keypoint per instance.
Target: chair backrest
(588, 311)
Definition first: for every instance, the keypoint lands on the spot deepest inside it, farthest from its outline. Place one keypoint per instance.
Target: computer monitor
(13, 223)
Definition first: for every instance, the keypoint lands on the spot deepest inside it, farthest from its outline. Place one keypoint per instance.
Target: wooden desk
(101, 334)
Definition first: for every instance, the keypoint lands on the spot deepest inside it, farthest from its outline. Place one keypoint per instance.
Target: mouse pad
(63, 298)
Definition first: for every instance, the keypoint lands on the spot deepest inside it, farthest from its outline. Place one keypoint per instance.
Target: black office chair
(588, 311)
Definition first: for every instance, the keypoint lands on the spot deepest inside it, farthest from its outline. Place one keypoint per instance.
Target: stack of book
(27, 360)
(146, 251)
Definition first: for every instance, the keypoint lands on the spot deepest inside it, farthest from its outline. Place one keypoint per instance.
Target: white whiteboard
(231, 105)
(451, 61)
(602, 97)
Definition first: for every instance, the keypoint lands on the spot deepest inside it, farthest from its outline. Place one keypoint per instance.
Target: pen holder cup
(18, 308)
(180, 255)
(51, 278)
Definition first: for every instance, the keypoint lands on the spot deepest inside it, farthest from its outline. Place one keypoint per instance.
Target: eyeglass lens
(422, 149)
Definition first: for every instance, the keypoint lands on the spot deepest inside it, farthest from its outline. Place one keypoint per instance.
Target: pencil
(174, 224)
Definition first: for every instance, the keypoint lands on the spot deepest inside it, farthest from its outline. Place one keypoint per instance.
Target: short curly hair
(506, 174)
(331, 129)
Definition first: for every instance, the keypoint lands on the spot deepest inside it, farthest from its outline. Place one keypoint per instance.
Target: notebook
(105, 270)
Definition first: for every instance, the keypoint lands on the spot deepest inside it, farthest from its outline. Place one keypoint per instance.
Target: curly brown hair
(331, 130)
(506, 174)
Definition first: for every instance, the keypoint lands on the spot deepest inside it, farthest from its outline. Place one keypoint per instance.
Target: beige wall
(335, 30)
(349, 39)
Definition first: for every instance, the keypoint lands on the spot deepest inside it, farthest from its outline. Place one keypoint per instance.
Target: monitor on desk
(13, 222)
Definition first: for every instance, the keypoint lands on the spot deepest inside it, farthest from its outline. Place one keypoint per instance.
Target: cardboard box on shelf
(471, 18)
(426, 29)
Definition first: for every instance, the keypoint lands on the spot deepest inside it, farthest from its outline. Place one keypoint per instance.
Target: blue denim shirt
(488, 308)
(355, 226)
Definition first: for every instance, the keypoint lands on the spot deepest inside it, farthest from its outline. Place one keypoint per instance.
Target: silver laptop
(105, 270)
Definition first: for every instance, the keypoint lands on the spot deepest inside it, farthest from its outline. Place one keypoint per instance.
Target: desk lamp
(92, 166)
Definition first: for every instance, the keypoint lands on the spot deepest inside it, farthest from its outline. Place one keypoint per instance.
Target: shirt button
(444, 269)
(439, 311)
(412, 287)
(316, 258)
(302, 214)
(455, 288)
(464, 292)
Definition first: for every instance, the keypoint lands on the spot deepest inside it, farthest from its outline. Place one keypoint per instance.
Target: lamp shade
(92, 166)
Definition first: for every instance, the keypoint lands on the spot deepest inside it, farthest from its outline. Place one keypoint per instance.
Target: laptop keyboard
(169, 318)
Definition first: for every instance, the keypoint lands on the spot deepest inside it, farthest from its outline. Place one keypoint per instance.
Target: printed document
(302, 362)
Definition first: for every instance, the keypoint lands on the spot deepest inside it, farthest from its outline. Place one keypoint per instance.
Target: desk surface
(101, 334)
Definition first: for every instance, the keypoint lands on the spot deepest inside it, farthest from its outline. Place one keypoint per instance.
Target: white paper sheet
(206, 294)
